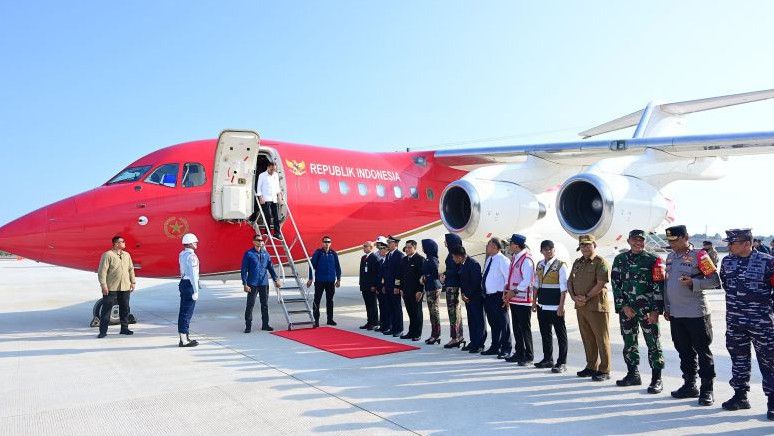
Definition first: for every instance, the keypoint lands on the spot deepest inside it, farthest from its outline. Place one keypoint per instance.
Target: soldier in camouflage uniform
(748, 279)
(638, 291)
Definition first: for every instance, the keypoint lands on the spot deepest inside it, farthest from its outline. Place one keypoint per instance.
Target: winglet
(677, 109)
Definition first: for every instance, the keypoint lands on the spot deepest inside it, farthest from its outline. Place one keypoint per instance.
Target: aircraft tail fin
(654, 117)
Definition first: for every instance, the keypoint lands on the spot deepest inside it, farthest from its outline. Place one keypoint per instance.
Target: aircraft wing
(590, 152)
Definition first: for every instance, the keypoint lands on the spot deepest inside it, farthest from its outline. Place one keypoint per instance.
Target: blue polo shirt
(255, 265)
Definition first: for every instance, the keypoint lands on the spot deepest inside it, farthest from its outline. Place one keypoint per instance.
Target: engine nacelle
(478, 209)
(609, 205)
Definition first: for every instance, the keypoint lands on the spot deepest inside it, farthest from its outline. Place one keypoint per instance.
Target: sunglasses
(326, 242)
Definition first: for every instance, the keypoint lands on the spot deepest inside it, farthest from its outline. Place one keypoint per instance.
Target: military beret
(518, 239)
(735, 235)
(636, 233)
(675, 232)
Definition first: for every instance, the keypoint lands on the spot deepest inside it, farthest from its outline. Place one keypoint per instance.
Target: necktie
(486, 272)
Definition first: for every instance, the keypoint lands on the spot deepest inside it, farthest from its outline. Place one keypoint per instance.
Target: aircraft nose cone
(25, 236)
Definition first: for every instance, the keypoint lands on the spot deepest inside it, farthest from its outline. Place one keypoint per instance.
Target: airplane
(600, 187)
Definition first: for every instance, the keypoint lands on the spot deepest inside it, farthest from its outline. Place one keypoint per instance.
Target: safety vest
(523, 297)
(549, 293)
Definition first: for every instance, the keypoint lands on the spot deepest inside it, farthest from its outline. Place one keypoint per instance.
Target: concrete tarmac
(57, 378)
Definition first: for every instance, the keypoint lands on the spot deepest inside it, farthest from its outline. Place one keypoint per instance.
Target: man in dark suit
(392, 287)
(369, 273)
(470, 285)
(411, 288)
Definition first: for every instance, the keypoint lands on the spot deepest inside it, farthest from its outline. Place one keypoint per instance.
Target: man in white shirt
(495, 277)
(269, 196)
(519, 294)
(551, 290)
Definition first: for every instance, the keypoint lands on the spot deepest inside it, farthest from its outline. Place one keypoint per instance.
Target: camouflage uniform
(748, 282)
(636, 284)
(455, 318)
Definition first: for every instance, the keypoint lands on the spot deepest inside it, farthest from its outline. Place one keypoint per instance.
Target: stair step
(298, 311)
(294, 300)
(302, 323)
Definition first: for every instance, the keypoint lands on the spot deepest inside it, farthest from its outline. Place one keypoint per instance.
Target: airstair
(293, 295)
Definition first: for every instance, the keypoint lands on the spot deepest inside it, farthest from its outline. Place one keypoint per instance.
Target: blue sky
(88, 87)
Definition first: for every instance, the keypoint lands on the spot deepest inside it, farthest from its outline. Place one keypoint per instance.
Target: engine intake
(608, 205)
(478, 208)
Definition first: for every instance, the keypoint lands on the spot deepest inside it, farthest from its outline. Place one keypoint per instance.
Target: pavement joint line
(294, 377)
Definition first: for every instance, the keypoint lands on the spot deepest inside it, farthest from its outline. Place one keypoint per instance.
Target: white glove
(195, 296)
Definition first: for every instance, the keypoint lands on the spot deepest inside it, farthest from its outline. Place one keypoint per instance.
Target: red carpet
(344, 343)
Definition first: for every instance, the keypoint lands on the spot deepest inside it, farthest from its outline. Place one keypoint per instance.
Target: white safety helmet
(381, 240)
(189, 238)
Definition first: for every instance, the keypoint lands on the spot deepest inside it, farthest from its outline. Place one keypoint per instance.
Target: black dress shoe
(396, 335)
(586, 372)
(331, 322)
(513, 359)
(406, 337)
(370, 327)
(316, 324)
(476, 350)
(126, 332)
(600, 376)
(191, 343)
(490, 352)
(386, 332)
(377, 328)
(416, 339)
(559, 368)
(465, 348)
(364, 326)
(431, 340)
(101, 335)
(503, 356)
(544, 364)
(248, 329)
(267, 328)
(524, 363)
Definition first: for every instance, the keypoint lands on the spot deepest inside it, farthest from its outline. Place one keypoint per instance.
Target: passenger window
(380, 191)
(165, 175)
(193, 175)
(430, 194)
(343, 188)
(397, 191)
(362, 189)
(414, 193)
(128, 175)
(324, 186)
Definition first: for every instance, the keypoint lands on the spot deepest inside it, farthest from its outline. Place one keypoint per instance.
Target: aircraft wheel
(97, 310)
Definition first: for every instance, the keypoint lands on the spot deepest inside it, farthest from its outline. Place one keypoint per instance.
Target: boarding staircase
(292, 296)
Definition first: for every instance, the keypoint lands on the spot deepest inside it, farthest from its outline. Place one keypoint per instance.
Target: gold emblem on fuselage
(175, 227)
(296, 167)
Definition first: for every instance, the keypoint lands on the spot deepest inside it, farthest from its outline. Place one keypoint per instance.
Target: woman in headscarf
(432, 285)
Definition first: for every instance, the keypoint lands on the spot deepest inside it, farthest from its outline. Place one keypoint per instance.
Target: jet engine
(609, 205)
(479, 209)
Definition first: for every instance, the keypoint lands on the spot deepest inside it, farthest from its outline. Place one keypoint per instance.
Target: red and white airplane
(605, 188)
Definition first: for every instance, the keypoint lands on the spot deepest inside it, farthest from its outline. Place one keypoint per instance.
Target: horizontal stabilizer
(680, 108)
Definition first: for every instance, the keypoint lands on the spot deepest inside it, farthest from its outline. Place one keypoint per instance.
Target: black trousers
(329, 288)
(548, 319)
(263, 294)
(497, 316)
(692, 338)
(385, 310)
(108, 301)
(414, 311)
(372, 310)
(521, 319)
(476, 322)
(271, 212)
(396, 307)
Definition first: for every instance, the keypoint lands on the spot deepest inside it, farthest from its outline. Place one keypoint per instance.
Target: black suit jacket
(369, 271)
(470, 278)
(410, 272)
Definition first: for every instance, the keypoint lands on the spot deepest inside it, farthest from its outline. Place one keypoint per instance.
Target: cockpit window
(165, 175)
(129, 175)
(193, 175)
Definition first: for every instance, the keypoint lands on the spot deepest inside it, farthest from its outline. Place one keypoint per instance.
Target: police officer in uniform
(748, 278)
(688, 273)
(412, 290)
(638, 291)
(189, 288)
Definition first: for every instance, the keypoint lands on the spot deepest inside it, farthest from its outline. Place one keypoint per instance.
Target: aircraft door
(234, 174)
